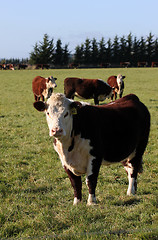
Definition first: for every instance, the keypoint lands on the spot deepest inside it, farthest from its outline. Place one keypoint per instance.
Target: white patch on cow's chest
(79, 159)
(45, 93)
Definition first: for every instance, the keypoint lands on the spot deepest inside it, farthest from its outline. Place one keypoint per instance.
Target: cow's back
(38, 85)
(112, 81)
(128, 120)
(80, 87)
(86, 88)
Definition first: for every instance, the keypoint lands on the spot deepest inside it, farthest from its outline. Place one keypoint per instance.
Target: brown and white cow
(87, 89)
(85, 137)
(43, 87)
(117, 83)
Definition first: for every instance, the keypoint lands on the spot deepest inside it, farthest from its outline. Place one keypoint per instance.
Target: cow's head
(119, 82)
(59, 111)
(50, 81)
(50, 84)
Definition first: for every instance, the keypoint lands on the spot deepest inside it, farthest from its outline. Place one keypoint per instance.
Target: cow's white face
(59, 116)
(51, 82)
(119, 82)
(59, 111)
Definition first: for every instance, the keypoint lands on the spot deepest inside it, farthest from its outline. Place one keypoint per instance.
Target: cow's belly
(79, 159)
(128, 158)
(83, 95)
(102, 97)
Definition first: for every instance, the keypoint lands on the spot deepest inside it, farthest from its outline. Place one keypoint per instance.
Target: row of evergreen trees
(122, 49)
(93, 52)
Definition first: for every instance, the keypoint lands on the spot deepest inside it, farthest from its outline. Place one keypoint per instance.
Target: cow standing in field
(43, 87)
(117, 83)
(85, 137)
(87, 89)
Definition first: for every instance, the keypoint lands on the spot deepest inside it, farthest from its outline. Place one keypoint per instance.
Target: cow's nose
(57, 132)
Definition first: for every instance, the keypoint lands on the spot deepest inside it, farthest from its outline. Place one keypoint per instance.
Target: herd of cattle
(87, 136)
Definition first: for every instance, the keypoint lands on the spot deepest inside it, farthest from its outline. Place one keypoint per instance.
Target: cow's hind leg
(91, 182)
(70, 94)
(132, 168)
(76, 184)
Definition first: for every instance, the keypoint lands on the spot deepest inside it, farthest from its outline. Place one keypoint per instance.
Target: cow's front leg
(96, 101)
(115, 95)
(120, 95)
(112, 96)
(76, 184)
(91, 182)
(42, 98)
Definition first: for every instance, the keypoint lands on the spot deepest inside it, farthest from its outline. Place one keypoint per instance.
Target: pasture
(36, 196)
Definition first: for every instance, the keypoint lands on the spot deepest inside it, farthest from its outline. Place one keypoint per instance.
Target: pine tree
(79, 54)
(122, 50)
(87, 51)
(108, 51)
(95, 52)
(65, 55)
(142, 50)
(102, 51)
(43, 52)
(155, 51)
(129, 46)
(58, 56)
(150, 48)
(135, 52)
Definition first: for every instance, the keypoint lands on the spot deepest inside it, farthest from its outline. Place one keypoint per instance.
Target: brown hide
(87, 89)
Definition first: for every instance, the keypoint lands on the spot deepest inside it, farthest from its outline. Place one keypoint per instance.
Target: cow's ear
(123, 77)
(115, 76)
(74, 106)
(40, 106)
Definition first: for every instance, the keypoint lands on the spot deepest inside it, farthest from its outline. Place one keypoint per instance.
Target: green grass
(35, 193)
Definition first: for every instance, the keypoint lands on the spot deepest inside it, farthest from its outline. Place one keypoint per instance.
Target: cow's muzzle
(56, 132)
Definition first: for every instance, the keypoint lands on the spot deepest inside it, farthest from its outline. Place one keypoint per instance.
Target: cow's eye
(66, 115)
(48, 113)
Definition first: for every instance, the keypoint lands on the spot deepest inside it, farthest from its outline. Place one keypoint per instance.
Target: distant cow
(117, 83)
(85, 137)
(43, 87)
(10, 66)
(87, 89)
(22, 66)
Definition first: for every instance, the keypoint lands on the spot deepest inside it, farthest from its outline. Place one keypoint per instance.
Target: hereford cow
(87, 88)
(117, 83)
(43, 87)
(87, 136)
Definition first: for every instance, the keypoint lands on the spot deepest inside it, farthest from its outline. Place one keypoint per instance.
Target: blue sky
(24, 22)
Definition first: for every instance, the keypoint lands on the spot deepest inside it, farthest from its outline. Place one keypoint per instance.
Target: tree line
(123, 49)
(93, 52)
(96, 53)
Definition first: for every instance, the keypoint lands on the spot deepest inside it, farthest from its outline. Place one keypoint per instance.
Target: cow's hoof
(91, 200)
(76, 201)
(92, 204)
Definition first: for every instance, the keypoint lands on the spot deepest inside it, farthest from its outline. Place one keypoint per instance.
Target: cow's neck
(67, 142)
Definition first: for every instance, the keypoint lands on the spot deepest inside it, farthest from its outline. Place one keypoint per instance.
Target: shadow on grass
(41, 189)
(128, 202)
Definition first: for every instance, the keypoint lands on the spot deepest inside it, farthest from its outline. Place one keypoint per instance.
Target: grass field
(35, 193)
